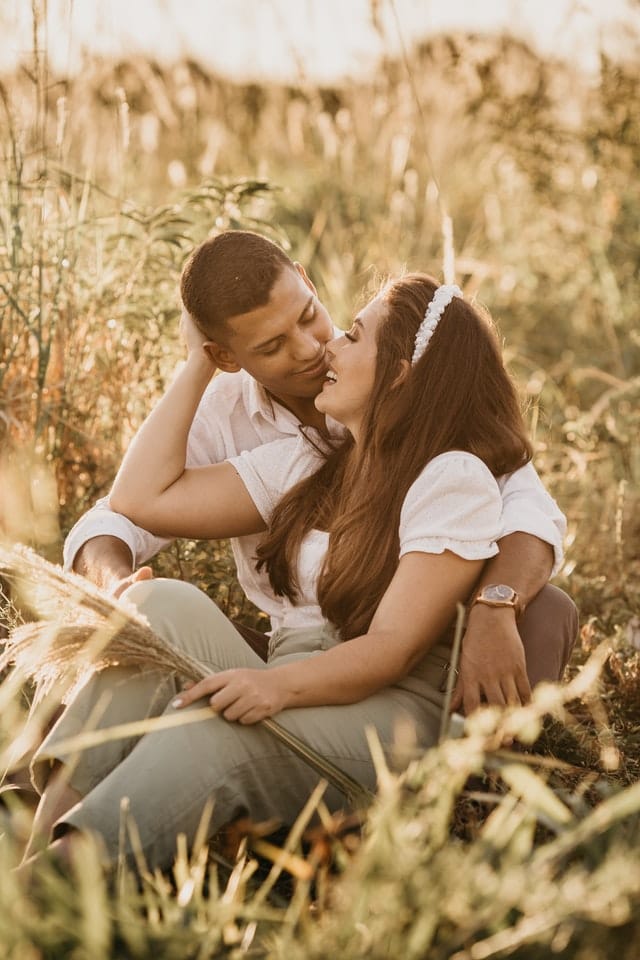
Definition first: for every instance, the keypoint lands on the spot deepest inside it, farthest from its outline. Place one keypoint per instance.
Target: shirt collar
(260, 406)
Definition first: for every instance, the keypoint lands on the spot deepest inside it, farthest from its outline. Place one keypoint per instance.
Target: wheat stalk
(84, 629)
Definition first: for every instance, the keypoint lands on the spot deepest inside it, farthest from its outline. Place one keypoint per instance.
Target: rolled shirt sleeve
(204, 447)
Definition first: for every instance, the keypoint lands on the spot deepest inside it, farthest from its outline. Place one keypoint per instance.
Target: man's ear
(402, 375)
(223, 357)
(303, 273)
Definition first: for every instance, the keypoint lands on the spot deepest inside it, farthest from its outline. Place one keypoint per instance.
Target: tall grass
(107, 180)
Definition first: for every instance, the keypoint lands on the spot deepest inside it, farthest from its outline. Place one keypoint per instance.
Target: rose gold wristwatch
(498, 595)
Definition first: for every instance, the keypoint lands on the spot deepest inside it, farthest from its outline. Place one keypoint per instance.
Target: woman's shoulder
(451, 481)
(456, 466)
(454, 503)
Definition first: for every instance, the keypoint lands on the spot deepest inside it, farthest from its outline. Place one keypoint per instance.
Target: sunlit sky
(324, 39)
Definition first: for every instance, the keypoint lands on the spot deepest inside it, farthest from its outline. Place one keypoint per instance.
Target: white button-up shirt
(237, 414)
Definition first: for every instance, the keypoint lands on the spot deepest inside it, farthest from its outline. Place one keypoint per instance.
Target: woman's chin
(323, 403)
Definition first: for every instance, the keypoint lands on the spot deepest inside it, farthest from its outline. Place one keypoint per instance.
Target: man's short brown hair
(228, 275)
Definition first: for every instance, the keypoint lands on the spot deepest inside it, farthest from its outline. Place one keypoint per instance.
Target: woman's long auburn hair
(458, 396)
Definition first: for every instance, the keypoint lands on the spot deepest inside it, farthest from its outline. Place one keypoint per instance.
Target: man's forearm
(104, 560)
(524, 563)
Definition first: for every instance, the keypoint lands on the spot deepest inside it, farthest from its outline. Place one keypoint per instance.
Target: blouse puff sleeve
(455, 504)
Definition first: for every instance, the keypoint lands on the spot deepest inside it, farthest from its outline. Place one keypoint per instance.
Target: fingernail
(177, 702)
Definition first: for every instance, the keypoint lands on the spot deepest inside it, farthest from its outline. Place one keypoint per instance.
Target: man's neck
(304, 409)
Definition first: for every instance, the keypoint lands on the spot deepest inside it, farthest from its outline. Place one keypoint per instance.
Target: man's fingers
(510, 691)
(457, 697)
(524, 688)
(144, 573)
(471, 698)
(493, 693)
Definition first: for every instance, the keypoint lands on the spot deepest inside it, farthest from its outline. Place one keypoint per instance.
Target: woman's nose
(332, 346)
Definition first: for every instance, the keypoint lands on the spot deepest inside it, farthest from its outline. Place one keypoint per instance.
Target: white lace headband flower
(441, 300)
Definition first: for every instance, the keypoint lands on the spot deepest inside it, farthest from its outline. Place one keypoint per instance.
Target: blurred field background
(468, 154)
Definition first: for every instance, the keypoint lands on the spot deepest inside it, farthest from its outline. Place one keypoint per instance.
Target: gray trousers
(168, 776)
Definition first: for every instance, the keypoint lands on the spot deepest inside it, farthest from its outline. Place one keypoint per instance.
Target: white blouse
(237, 414)
(455, 504)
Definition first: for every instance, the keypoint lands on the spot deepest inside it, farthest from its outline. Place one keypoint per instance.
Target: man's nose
(307, 347)
(331, 348)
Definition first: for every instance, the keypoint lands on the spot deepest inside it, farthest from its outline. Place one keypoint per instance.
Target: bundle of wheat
(82, 628)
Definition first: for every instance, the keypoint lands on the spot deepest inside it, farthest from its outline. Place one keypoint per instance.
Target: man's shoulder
(231, 386)
(227, 393)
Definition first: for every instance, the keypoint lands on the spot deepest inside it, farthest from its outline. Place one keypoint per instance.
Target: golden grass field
(473, 156)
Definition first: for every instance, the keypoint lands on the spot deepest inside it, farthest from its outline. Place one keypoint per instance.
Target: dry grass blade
(86, 629)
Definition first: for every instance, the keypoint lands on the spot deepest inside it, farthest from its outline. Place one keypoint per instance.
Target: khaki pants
(169, 776)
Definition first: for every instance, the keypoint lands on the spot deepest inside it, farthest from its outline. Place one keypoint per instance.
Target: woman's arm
(415, 610)
(154, 489)
(448, 525)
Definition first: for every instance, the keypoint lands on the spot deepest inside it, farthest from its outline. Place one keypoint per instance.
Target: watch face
(498, 592)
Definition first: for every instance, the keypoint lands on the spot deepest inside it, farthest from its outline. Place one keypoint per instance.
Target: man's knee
(549, 628)
(162, 593)
(171, 607)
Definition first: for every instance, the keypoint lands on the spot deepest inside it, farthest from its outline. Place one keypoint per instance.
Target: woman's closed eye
(309, 315)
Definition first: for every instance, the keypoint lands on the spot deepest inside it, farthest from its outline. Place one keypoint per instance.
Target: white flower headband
(441, 300)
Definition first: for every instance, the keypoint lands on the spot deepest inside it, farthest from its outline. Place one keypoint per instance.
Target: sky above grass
(319, 39)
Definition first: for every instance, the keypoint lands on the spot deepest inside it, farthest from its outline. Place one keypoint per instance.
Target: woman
(372, 547)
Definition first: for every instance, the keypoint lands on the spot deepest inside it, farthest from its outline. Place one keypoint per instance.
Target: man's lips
(316, 370)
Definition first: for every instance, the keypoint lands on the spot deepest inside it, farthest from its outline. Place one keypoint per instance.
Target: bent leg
(183, 616)
(548, 628)
(170, 775)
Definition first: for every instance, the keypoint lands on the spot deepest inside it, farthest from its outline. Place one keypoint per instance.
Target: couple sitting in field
(370, 481)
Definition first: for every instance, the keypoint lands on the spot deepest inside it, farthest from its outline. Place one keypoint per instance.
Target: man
(267, 335)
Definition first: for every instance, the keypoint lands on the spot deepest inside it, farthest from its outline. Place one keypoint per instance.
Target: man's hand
(242, 694)
(192, 335)
(492, 665)
(117, 587)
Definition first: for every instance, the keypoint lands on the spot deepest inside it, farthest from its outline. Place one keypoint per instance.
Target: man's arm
(106, 547)
(108, 562)
(492, 661)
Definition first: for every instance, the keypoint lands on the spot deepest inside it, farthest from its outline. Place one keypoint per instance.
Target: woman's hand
(242, 694)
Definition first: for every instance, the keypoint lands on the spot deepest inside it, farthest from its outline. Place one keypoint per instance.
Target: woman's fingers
(245, 696)
(197, 691)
